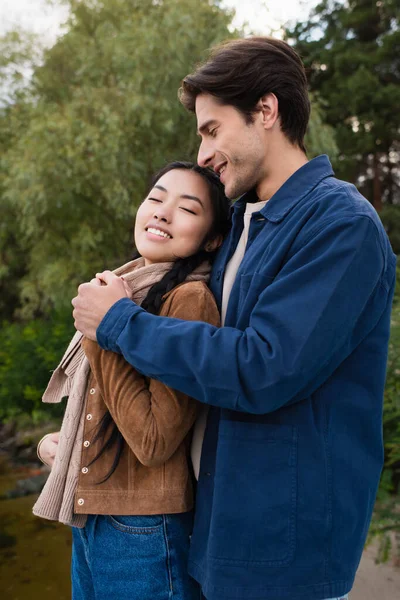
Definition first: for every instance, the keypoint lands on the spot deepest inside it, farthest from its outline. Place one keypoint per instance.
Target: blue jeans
(133, 558)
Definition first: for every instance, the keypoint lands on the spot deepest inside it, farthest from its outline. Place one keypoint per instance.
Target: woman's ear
(214, 243)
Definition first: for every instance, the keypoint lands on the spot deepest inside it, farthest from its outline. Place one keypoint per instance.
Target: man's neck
(282, 163)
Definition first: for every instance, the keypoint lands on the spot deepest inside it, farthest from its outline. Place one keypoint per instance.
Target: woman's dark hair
(181, 269)
(240, 72)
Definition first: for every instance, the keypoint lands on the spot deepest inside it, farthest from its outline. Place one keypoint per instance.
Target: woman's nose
(162, 213)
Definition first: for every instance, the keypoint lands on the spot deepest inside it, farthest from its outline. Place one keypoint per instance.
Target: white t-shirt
(229, 279)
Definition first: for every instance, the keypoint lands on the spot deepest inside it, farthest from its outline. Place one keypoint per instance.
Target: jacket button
(85, 470)
(81, 502)
(89, 417)
(86, 444)
(92, 391)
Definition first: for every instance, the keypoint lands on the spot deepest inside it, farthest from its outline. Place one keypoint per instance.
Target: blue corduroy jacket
(293, 448)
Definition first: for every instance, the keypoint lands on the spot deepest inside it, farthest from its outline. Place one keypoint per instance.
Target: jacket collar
(301, 183)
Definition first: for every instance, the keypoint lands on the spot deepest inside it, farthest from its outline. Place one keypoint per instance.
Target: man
(294, 380)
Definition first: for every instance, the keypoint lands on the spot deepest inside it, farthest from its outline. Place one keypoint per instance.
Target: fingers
(95, 281)
(55, 437)
(81, 293)
(47, 448)
(128, 290)
(107, 276)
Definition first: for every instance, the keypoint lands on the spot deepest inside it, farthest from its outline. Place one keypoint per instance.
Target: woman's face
(174, 219)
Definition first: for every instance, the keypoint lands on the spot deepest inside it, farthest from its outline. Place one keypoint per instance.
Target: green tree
(320, 137)
(28, 353)
(19, 51)
(104, 115)
(352, 52)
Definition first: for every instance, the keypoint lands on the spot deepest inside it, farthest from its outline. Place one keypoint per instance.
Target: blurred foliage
(320, 137)
(352, 54)
(28, 353)
(100, 115)
(390, 215)
(80, 142)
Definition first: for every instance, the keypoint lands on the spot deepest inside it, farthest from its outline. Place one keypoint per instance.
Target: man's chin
(232, 193)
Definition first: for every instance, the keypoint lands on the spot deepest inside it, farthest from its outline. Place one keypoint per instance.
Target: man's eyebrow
(205, 126)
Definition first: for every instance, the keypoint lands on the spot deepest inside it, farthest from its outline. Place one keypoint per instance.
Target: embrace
(223, 432)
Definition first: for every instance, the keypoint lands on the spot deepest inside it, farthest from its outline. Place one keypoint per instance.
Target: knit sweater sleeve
(153, 418)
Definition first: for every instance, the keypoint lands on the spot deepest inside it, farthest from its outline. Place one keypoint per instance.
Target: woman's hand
(98, 281)
(47, 448)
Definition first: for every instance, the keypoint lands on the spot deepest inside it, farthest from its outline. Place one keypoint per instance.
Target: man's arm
(302, 327)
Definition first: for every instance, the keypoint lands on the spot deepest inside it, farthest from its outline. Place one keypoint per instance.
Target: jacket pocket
(254, 283)
(255, 490)
(250, 287)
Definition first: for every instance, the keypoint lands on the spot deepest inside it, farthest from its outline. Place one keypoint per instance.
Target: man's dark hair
(240, 72)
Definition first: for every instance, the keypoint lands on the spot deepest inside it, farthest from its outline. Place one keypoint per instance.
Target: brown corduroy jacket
(153, 474)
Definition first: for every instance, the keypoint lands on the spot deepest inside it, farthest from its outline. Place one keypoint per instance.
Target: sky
(261, 16)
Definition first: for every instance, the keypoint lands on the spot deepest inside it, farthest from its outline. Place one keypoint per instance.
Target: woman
(120, 470)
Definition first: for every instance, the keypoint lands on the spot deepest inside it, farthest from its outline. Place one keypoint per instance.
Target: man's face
(234, 149)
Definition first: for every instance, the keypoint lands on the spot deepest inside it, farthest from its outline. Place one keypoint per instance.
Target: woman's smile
(157, 234)
(174, 219)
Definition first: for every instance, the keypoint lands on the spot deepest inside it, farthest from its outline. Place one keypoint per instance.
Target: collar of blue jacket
(299, 185)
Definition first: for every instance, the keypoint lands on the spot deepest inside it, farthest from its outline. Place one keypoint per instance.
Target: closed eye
(155, 199)
(188, 210)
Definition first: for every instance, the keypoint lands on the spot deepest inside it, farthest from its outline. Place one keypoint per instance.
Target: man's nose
(205, 154)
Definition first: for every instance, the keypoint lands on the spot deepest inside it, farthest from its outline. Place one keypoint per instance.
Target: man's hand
(94, 300)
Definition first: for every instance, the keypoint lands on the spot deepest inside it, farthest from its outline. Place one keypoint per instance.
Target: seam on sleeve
(352, 217)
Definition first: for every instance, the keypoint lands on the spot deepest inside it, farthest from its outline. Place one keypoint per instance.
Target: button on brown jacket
(153, 474)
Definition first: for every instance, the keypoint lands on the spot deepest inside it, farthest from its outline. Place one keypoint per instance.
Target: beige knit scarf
(70, 378)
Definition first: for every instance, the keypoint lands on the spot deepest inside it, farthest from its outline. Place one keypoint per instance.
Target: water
(34, 553)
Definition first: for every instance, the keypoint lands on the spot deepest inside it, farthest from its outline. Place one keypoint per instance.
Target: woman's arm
(153, 418)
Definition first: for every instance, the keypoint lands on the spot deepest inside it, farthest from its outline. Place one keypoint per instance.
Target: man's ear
(268, 106)
(214, 243)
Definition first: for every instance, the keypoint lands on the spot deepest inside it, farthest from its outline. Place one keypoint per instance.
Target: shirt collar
(302, 182)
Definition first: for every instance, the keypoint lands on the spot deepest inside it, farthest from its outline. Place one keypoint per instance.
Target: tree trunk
(377, 189)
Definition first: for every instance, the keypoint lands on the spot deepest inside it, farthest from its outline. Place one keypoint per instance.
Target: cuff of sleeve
(114, 322)
(38, 449)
